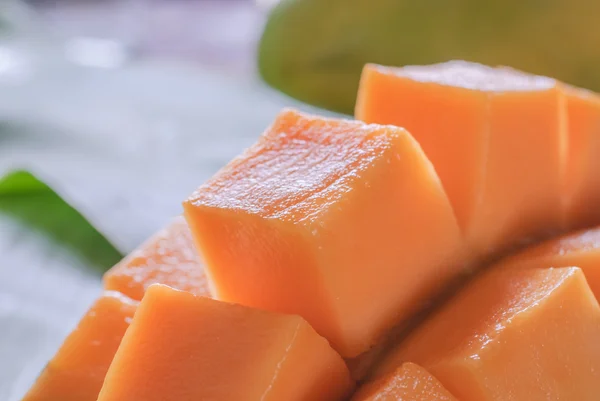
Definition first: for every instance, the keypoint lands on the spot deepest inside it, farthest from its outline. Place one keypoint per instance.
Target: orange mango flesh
(581, 249)
(583, 166)
(342, 223)
(409, 382)
(169, 258)
(77, 371)
(516, 334)
(496, 137)
(195, 348)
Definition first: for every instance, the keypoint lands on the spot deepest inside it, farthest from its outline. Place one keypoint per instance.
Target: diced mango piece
(169, 258)
(497, 139)
(583, 166)
(77, 370)
(513, 334)
(343, 223)
(409, 382)
(188, 348)
(581, 249)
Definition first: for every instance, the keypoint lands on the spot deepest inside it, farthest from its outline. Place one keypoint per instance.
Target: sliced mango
(583, 168)
(343, 223)
(518, 334)
(581, 249)
(77, 371)
(497, 139)
(188, 348)
(409, 382)
(169, 258)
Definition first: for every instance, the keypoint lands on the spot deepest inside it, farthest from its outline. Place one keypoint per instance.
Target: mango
(581, 249)
(169, 257)
(190, 348)
(77, 370)
(582, 176)
(512, 334)
(496, 136)
(343, 223)
(409, 382)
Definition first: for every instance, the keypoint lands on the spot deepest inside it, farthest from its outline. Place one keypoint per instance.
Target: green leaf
(30, 201)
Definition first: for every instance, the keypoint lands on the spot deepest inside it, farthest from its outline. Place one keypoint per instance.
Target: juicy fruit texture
(210, 350)
(348, 226)
(583, 167)
(409, 382)
(169, 258)
(77, 371)
(343, 223)
(581, 249)
(513, 334)
(496, 137)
